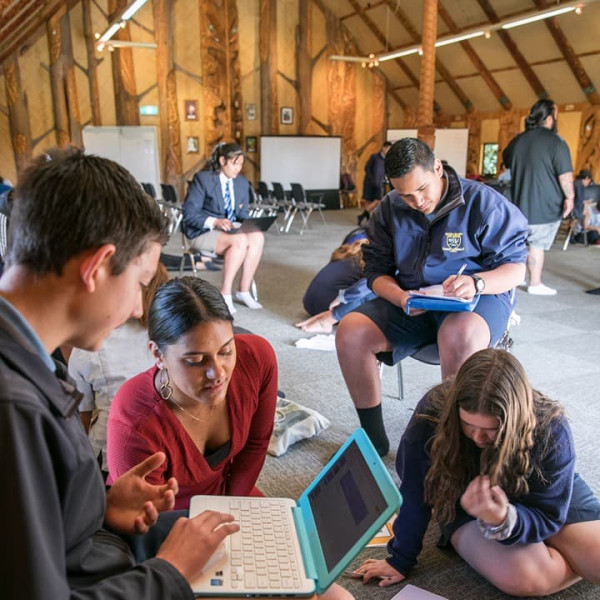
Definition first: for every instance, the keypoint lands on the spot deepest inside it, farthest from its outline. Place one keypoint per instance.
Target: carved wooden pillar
(269, 109)
(341, 84)
(18, 118)
(509, 128)
(474, 146)
(92, 63)
(427, 78)
(62, 81)
(219, 50)
(126, 102)
(304, 66)
(167, 95)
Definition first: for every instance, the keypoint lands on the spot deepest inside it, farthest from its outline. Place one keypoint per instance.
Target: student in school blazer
(206, 225)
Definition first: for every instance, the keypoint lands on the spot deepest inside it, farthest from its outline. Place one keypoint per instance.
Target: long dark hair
(181, 304)
(227, 151)
(491, 382)
(539, 112)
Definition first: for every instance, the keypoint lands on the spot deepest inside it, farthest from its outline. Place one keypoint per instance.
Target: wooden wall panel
(7, 160)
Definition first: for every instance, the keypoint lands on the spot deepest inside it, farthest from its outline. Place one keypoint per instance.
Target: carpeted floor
(556, 341)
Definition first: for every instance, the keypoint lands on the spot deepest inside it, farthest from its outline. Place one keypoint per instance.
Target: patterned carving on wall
(126, 101)
(221, 71)
(588, 156)
(62, 81)
(474, 125)
(341, 83)
(18, 116)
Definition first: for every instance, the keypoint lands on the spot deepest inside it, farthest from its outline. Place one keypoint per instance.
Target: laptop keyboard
(262, 553)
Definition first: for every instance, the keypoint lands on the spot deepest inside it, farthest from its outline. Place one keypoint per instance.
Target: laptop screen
(345, 503)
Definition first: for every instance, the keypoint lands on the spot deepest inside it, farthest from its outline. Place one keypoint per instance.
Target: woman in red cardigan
(208, 403)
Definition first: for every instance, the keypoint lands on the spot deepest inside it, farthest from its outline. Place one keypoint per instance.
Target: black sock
(371, 420)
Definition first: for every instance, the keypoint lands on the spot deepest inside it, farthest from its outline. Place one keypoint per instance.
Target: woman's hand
(191, 542)
(378, 569)
(132, 504)
(484, 501)
(223, 224)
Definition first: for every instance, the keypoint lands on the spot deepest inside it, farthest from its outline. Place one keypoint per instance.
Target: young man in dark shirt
(541, 185)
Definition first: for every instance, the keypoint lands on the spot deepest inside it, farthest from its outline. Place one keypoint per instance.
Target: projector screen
(312, 161)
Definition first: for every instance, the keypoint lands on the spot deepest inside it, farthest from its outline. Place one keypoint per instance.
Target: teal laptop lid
(343, 508)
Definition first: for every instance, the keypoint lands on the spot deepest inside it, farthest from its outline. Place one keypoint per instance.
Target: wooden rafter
(567, 51)
(361, 12)
(392, 93)
(529, 74)
(470, 51)
(394, 6)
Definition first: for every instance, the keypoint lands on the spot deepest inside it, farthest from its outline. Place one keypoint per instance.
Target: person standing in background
(541, 185)
(373, 183)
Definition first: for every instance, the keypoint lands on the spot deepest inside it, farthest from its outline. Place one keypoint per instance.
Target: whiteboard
(393, 135)
(452, 145)
(312, 161)
(135, 148)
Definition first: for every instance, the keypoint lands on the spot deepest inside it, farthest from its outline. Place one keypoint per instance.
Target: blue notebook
(340, 511)
(432, 298)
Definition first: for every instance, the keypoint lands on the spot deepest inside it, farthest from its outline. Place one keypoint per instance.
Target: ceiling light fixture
(118, 24)
(574, 5)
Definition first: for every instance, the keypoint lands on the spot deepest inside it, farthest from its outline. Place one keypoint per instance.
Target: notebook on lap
(286, 548)
(253, 224)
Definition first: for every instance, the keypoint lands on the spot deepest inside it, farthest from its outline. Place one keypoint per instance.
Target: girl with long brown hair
(493, 461)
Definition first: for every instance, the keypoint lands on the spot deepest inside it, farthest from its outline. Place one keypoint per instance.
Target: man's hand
(462, 286)
(132, 504)
(568, 206)
(485, 502)
(192, 542)
(378, 569)
(223, 224)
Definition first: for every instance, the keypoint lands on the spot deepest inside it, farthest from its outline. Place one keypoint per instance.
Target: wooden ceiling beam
(394, 6)
(483, 70)
(567, 51)
(392, 93)
(31, 22)
(511, 46)
(377, 33)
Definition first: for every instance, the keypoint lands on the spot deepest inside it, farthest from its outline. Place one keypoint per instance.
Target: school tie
(229, 213)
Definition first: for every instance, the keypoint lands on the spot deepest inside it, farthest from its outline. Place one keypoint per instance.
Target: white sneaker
(523, 284)
(541, 290)
(229, 301)
(248, 300)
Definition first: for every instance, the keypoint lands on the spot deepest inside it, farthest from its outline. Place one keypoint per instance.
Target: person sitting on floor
(208, 403)
(346, 301)
(343, 270)
(217, 198)
(431, 226)
(493, 461)
(98, 375)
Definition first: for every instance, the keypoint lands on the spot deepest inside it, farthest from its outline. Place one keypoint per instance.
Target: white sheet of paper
(412, 592)
(435, 291)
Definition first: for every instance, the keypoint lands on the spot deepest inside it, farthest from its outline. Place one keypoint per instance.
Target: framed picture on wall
(287, 115)
(251, 143)
(191, 110)
(192, 145)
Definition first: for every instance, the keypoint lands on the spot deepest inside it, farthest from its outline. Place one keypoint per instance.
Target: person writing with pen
(422, 232)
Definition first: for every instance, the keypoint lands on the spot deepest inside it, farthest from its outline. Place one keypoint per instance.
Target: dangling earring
(165, 390)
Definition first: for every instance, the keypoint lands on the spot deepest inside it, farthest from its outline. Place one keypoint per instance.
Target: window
(490, 160)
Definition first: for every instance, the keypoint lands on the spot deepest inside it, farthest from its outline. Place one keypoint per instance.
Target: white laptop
(292, 549)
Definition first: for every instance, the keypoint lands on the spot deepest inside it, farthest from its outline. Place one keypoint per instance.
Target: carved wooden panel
(167, 95)
(588, 156)
(269, 103)
(126, 102)
(341, 83)
(221, 71)
(62, 81)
